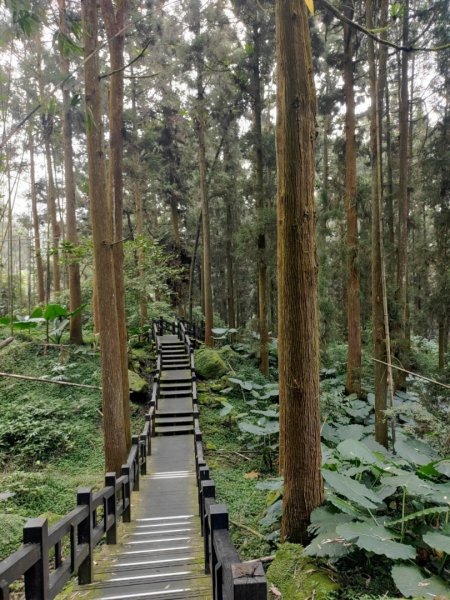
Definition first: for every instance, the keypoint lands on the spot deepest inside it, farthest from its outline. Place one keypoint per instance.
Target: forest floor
(56, 436)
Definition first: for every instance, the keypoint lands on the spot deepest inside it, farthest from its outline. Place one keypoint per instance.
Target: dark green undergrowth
(239, 420)
(234, 471)
(51, 442)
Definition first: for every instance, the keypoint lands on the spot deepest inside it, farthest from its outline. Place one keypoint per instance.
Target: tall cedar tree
(201, 129)
(76, 335)
(353, 382)
(114, 23)
(113, 413)
(298, 330)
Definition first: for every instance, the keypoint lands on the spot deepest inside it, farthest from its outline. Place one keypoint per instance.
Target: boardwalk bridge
(163, 535)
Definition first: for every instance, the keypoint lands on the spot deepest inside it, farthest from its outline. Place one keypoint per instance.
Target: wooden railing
(232, 579)
(50, 556)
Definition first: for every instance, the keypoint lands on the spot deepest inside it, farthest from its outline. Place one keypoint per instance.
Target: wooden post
(208, 490)
(136, 464)
(249, 581)
(111, 508)
(161, 326)
(4, 590)
(217, 519)
(37, 577)
(126, 495)
(203, 475)
(144, 443)
(85, 530)
(148, 417)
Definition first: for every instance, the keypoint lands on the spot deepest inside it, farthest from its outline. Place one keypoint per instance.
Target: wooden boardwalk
(160, 553)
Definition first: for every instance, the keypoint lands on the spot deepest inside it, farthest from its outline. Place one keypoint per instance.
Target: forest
(274, 174)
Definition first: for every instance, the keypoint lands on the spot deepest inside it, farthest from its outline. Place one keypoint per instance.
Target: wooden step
(175, 367)
(174, 430)
(167, 421)
(176, 375)
(174, 356)
(175, 393)
(175, 385)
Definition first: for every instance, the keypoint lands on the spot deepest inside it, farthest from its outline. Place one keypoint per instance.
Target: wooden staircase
(174, 413)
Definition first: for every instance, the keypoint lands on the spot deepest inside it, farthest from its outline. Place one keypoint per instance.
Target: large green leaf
(37, 313)
(409, 481)
(346, 507)
(415, 451)
(352, 490)
(53, 311)
(273, 514)
(270, 484)
(443, 467)
(327, 542)
(353, 432)
(355, 450)
(247, 427)
(375, 538)
(420, 514)
(273, 414)
(226, 409)
(438, 541)
(413, 584)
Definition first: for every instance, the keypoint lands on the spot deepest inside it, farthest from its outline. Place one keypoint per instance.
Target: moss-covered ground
(51, 441)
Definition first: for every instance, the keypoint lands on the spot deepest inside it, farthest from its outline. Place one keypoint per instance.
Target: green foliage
(413, 584)
(11, 534)
(297, 577)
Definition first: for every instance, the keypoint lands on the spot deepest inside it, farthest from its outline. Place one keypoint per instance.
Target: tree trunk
(378, 315)
(37, 236)
(402, 265)
(76, 335)
(259, 194)
(298, 330)
(114, 23)
(353, 382)
(112, 390)
(47, 128)
(201, 127)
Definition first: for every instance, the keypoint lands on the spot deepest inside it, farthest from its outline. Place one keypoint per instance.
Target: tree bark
(402, 264)
(353, 381)
(298, 330)
(47, 127)
(37, 235)
(259, 194)
(201, 127)
(114, 23)
(76, 335)
(112, 390)
(376, 83)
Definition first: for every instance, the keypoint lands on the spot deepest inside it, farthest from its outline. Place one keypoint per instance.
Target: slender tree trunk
(112, 390)
(298, 330)
(390, 188)
(380, 327)
(192, 267)
(76, 335)
(353, 382)
(201, 127)
(402, 265)
(259, 193)
(37, 236)
(47, 127)
(114, 23)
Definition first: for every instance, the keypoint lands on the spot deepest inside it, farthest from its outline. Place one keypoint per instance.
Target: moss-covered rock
(297, 577)
(10, 533)
(137, 385)
(209, 364)
(228, 354)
